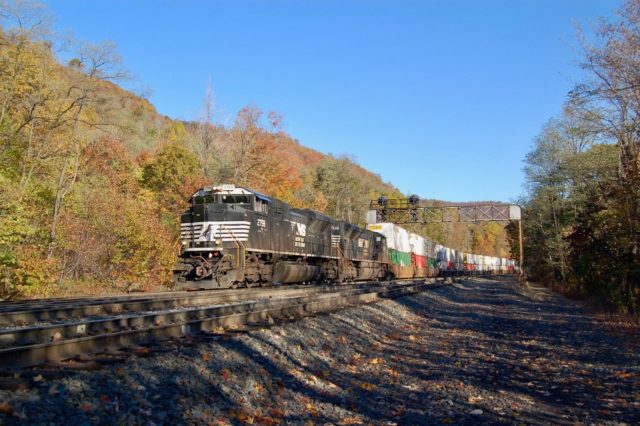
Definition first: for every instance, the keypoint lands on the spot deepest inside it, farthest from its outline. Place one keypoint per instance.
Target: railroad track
(28, 312)
(37, 332)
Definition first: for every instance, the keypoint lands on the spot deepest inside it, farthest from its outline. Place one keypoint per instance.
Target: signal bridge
(409, 210)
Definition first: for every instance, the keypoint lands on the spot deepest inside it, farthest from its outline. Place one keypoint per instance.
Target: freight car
(412, 256)
(236, 237)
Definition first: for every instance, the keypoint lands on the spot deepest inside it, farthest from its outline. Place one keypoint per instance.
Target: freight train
(236, 237)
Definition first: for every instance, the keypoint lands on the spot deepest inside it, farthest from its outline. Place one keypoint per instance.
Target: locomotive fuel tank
(369, 271)
(291, 272)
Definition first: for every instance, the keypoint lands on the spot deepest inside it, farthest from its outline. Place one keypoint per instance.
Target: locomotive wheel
(227, 281)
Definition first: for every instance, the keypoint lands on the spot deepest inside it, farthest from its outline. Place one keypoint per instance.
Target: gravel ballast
(480, 351)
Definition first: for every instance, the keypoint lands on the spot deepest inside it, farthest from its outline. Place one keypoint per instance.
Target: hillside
(93, 178)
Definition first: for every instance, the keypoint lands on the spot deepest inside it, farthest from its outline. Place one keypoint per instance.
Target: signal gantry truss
(409, 210)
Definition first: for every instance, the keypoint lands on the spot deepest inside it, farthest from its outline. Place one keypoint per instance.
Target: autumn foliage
(93, 180)
(582, 210)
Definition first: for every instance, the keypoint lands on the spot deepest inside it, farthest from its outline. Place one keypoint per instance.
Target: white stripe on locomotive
(211, 231)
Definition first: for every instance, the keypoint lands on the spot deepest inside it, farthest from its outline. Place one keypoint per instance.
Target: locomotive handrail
(343, 261)
(240, 249)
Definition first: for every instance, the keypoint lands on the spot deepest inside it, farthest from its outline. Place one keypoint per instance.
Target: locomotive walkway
(479, 351)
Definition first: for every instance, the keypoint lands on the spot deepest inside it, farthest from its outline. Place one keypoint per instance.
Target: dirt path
(473, 352)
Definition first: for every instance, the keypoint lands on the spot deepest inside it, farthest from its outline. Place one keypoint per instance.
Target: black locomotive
(236, 237)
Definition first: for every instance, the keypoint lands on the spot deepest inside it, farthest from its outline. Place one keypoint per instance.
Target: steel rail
(8, 306)
(33, 304)
(128, 321)
(144, 328)
(41, 312)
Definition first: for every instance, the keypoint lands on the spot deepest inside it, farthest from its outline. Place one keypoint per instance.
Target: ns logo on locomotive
(236, 237)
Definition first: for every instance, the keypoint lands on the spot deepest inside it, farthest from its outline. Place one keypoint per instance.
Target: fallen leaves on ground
(351, 421)
(368, 386)
(225, 374)
(5, 408)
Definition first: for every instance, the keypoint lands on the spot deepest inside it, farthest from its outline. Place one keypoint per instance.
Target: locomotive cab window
(203, 199)
(262, 205)
(235, 199)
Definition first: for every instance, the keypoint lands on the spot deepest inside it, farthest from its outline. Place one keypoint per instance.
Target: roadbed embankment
(473, 352)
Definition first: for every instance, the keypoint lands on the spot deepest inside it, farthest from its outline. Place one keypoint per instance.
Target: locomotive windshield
(235, 199)
(203, 197)
(207, 197)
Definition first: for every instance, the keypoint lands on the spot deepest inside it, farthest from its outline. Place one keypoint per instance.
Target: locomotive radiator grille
(211, 231)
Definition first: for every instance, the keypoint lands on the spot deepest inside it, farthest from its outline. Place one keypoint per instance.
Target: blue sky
(440, 97)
